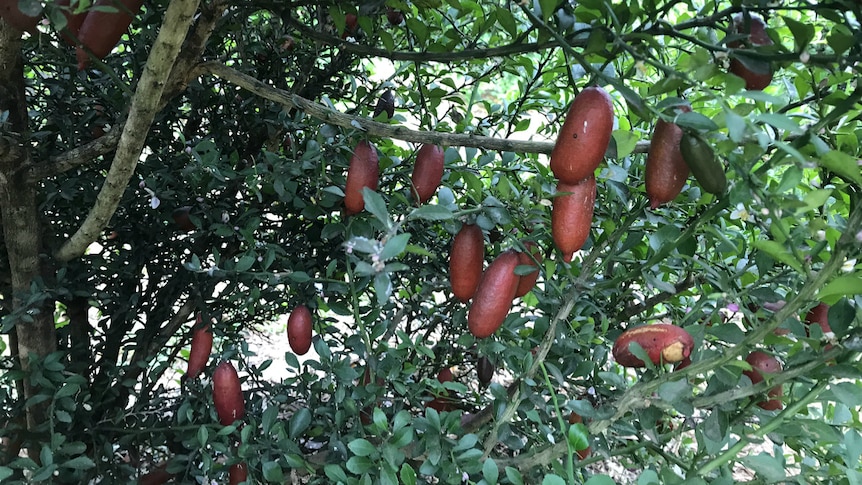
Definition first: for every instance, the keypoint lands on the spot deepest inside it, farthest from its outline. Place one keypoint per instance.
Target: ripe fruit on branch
(238, 473)
(385, 104)
(364, 171)
(704, 165)
(395, 17)
(12, 14)
(584, 137)
(528, 281)
(664, 343)
(666, 171)
(494, 296)
(572, 215)
(202, 345)
(227, 394)
(819, 315)
(465, 261)
(761, 362)
(157, 476)
(182, 219)
(299, 329)
(73, 22)
(351, 24)
(443, 402)
(100, 30)
(757, 74)
(427, 172)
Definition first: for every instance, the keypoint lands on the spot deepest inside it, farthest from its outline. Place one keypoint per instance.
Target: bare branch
(329, 115)
(144, 106)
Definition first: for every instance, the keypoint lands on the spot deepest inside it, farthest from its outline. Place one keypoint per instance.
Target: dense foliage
(235, 214)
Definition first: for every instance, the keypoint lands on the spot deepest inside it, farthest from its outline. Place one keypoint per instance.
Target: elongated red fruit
(238, 473)
(443, 402)
(819, 315)
(666, 170)
(485, 370)
(761, 362)
(493, 298)
(227, 394)
(299, 330)
(101, 31)
(202, 345)
(757, 74)
(364, 171)
(465, 261)
(528, 281)
(157, 476)
(73, 22)
(12, 14)
(584, 137)
(427, 172)
(664, 344)
(572, 215)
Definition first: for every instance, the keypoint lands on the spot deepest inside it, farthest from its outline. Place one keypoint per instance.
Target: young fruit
(528, 281)
(299, 330)
(202, 345)
(572, 215)
(385, 104)
(664, 344)
(227, 394)
(494, 296)
(351, 25)
(705, 167)
(157, 476)
(819, 315)
(465, 261)
(757, 74)
(443, 402)
(761, 362)
(12, 14)
(666, 171)
(427, 172)
(364, 171)
(395, 17)
(238, 473)
(182, 219)
(584, 137)
(484, 370)
(100, 31)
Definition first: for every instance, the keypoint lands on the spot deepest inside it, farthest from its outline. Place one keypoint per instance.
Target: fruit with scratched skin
(664, 344)
(227, 394)
(705, 166)
(427, 172)
(584, 137)
(494, 295)
(528, 281)
(666, 172)
(763, 363)
(238, 473)
(202, 345)
(465, 261)
(757, 74)
(572, 216)
(101, 30)
(299, 326)
(364, 171)
(443, 402)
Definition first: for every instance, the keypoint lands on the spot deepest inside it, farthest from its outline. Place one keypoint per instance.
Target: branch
(144, 105)
(329, 115)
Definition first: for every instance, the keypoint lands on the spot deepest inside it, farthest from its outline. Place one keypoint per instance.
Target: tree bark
(33, 315)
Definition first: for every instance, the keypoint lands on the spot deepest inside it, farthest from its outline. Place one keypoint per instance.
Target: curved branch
(329, 115)
(144, 105)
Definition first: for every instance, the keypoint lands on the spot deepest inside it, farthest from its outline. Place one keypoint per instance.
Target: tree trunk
(33, 315)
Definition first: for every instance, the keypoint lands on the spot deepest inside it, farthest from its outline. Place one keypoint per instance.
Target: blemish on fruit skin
(674, 352)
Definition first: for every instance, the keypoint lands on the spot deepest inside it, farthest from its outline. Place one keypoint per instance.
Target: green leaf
(766, 467)
(548, 7)
(68, 389)
(626, 142)
(490, 472)
(514, 476)
(852, 447)
(802, 32)
(781, 122)
(335, 473)
(675, 390)
(5, 472)
(736, 125)
(78, 463)
(840, 316)
(431, 213)
(846, 393)
(244, 263)
(695, 121)
(394, 246)
(359, 465)
(272, 472)
(779, 252)
(507, 21)
(578, 436)
(407, 474)
(203, 435)
(382, 287)
(362, 447)
(553, 480)
(376, 206)
(299, 423)
(600, 480)
(848, 284)
(648, 477)
(844, 165)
